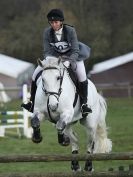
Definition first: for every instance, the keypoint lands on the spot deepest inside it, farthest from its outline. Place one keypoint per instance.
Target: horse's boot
(30, 105)
(75, 164)
(83, 88)
(63, 139)
(88, 164)
(35, 124)
(36, 137)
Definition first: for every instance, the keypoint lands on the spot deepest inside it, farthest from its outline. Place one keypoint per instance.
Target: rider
(61, 40)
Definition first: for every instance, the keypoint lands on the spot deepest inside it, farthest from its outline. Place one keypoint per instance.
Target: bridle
(61, 80)
(56, 94)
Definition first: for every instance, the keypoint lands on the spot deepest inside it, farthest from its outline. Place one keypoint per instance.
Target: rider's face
(56, 25)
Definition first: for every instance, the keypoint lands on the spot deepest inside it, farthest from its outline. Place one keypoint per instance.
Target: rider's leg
(30, 105)
(83, 86)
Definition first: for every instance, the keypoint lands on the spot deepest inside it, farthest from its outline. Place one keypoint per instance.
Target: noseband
(56, 94)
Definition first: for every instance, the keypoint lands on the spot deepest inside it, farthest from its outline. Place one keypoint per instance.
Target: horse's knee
(60, 125)
(35, 123)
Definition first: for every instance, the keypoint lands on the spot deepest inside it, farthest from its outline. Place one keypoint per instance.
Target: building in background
(114, 76)
(14, 72)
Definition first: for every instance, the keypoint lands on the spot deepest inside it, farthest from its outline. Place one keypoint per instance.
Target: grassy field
(119, 121)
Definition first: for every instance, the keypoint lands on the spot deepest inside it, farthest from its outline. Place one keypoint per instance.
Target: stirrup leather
(28, 106)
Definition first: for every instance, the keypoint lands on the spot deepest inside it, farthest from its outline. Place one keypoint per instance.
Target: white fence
(17, 119)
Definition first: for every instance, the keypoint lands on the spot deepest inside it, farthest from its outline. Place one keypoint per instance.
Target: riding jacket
(68, 45)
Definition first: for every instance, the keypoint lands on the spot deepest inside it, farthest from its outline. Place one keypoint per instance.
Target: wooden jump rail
(78, 174)
(52, 158)
(57, 158)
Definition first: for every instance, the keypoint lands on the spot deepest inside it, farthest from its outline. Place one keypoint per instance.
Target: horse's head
(52, 77)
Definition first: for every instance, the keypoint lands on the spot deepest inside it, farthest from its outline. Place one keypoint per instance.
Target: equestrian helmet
(55, 15)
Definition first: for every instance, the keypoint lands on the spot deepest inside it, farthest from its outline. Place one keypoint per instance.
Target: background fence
(116, 90)
(107, 90)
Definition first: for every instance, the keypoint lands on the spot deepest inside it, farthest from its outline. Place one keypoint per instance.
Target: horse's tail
(102, 143)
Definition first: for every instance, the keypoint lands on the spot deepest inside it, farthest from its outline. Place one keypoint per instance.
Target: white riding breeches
(77, 67)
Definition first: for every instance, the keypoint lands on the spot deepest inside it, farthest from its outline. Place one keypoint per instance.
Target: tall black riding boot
(30, 105)
(83, 88)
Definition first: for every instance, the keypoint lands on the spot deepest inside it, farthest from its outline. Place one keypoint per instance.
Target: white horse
(55, 97)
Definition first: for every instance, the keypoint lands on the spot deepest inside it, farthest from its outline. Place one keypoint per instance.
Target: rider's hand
(67, 64)
(65, 58)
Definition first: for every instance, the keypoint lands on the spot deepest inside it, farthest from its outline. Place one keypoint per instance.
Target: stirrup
(85, 110)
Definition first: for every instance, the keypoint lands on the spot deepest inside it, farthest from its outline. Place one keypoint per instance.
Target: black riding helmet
(55, 15)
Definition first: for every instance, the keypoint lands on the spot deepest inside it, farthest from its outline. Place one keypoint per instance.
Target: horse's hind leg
(88, 164)
(35, 124)
(75, 163)
(74, 143)
(90, 143)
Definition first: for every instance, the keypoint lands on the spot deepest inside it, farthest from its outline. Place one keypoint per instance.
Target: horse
(55, 98)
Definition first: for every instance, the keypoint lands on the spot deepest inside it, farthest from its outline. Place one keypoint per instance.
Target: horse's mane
(51, 61)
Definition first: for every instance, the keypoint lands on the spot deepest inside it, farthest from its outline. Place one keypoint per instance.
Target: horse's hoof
(75, 166)
(88, 166)
(66, 141)
(37, 140)
(36, 137)
(63, 140)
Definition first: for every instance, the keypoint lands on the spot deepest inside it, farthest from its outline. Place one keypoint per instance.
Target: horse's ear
(39, 62)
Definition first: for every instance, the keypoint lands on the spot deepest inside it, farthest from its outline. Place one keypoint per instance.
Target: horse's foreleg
(35, 124)
(65, 119)
(62, 123)
(63, 139)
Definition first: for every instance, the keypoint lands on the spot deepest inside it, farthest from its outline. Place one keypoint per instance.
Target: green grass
(119, 121)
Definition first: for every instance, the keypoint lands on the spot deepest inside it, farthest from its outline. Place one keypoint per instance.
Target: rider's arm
(46, 44)
(74, 45)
